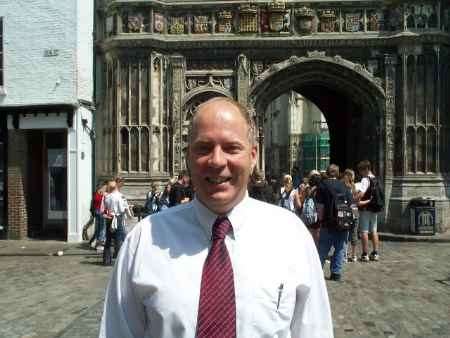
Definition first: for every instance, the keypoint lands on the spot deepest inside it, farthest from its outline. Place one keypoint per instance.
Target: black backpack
(376, 203)
(339, 214)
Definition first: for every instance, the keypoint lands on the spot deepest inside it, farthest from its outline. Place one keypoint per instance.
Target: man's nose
(217, 158)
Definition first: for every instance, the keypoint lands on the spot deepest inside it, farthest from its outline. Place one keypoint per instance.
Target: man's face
(364, 172)
(221, 157)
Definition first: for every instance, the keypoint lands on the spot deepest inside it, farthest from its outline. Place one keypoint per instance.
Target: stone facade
(377, 72)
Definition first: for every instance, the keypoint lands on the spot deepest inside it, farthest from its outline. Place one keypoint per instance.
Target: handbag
(114, 224)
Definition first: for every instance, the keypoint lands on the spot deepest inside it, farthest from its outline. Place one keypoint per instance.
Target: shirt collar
(237, 216)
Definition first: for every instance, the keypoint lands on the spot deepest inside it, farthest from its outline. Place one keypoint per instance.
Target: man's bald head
(222, 100)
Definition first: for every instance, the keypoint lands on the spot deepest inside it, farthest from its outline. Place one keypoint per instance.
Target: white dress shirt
(155, 286)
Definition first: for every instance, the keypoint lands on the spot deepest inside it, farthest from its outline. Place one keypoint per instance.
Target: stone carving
(243, 64)
(304, 18)
(248, 19)
(327, 21)
(177, 25)
(277, 12)
(211, 65)
(316, 54)
(158, 23)
(225, 22)
(135, 23)
(201, 24)
(375, 20)
(264, 20)
(353, 22)
(225, 82)
(421, 16)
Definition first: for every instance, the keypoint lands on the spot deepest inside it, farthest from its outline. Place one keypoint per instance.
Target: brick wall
(17, 166)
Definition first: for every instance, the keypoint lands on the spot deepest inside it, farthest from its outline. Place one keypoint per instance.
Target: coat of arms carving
(304, 17)
(158, 23)
(248, 19)
(327, 21)
(201, 24)
(353, 22)
(277, 13)
(225, 22)
(177, 25)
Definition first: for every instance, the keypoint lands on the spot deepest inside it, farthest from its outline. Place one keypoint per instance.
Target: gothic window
(140, 116)
(410, 153)
(145, 89)
(430, 87)
(145, 154)
(1, 52)
(421, 149)
(156, 91)
(445, 150)
(124, 86)
(124, 144)
(431, 153)
(166, 149)
(420, 91)
(134, 153)
(398, 151)
(134, 93)
(411, 112)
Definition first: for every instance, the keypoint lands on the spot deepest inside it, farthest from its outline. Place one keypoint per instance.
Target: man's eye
(202, 149)
(233, 149)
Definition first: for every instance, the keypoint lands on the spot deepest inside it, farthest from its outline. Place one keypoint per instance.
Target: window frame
(2, 63)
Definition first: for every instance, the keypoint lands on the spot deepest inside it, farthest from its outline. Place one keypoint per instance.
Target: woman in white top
(287, 194)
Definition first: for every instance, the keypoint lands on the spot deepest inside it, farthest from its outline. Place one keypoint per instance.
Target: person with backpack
(152, 203)
(370, 189)
(335, 214)
(306, 204)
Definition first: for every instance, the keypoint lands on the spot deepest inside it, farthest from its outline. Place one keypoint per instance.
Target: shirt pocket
(273, 305)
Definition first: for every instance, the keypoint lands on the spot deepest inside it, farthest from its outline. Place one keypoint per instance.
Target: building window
(1, 52)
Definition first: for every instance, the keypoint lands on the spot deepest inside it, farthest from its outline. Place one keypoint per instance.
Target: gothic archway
(351, 98)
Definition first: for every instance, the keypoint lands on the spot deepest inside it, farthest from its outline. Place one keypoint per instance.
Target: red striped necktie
(217, 307)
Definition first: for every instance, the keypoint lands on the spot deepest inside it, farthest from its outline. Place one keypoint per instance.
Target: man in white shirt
(223, 265)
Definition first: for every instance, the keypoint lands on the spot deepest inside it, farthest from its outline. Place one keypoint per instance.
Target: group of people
(110, 210)
(175, 192)
(336, 210)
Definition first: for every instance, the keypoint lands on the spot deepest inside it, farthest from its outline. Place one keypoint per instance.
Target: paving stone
(405, 295)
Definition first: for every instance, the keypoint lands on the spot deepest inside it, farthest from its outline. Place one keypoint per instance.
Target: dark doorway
(47, 185)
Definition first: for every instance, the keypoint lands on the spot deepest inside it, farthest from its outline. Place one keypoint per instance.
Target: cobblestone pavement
(406, 294)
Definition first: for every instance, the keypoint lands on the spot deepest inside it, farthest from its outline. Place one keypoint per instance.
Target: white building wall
(48, 59)
(85, 49)
(79, 172)
(39, 44)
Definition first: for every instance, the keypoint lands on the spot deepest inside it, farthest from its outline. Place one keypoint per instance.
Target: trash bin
(423, 216)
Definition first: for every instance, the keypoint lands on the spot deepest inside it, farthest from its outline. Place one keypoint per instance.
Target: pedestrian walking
(115, 213)
(332, 195)
(98, 239)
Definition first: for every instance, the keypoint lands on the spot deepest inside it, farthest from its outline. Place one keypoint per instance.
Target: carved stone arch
(300, 68)
(347, 79)
(203, 93)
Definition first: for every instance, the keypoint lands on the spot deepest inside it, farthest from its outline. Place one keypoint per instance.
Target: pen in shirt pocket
(280, 292)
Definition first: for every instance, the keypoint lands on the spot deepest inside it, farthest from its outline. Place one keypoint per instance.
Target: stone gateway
(378, 70)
